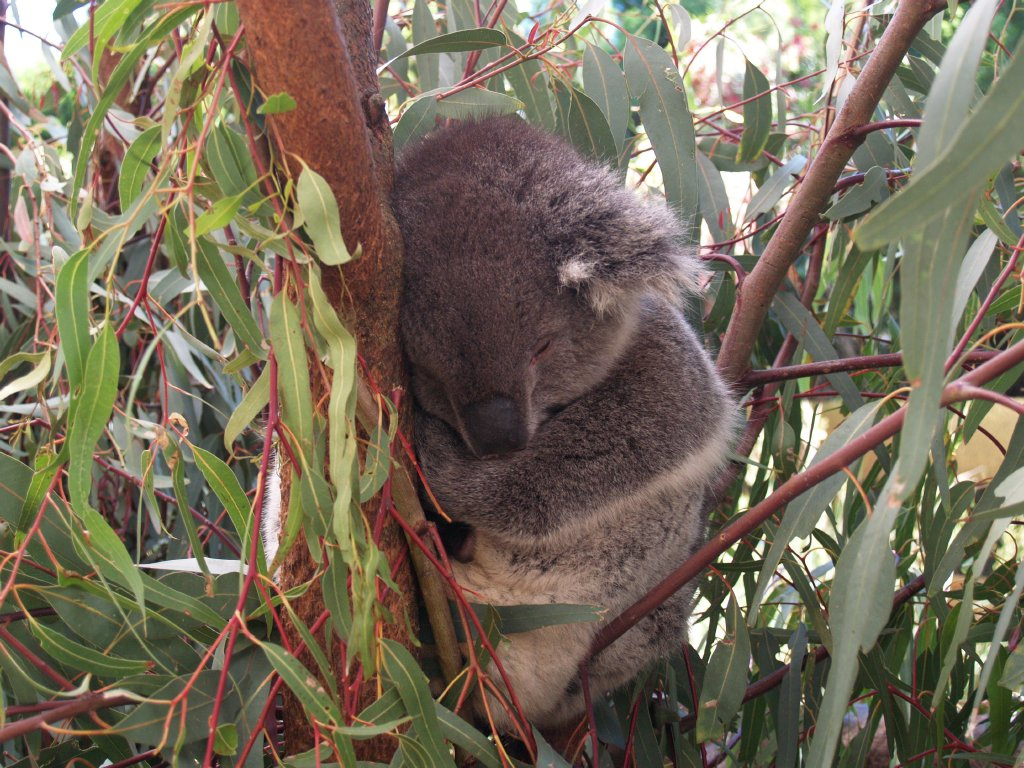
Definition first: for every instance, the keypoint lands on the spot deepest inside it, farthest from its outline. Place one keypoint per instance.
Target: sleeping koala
(564, 409)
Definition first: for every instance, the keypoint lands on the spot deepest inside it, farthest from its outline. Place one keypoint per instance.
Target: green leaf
(153, 722)
(227, 489)
(184, 512)
(954, 633)
(72, 310)
(81, 658)
(931, 266)
(225, 292)
(757, 114)
(789, 714)
(293, 374)
(804, 326)
(653, 79)
(219, 215)
(225, 739)
(1006, 617)
(772, 190)
(604, 82)
(191, 609)
(253, 403)
(417, 120)
(462, 734)
(15, 479)
(424, 29)
(513, 619)
(1012, 678)
(974, 263)
(547, 756)
(714, 201)
(343, 453)
(866, 569)
(861, 197)
(477, 102)
(581, 121)
(92, 412)
(276, 104)
(403, 671)
(124, 70)
(103, 548)
(377, 462)
(462, 40)
(38, 488)
(530, 85)
(230, 161)
(136, 164)
(40, 362)
(954, 87)
(320, 216)
(305, 687)
(107, 21)
(802, 514)
(725, 678)
(725, 156)
(990, 135)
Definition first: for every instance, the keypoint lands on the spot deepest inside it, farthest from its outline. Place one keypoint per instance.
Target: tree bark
(319, 52)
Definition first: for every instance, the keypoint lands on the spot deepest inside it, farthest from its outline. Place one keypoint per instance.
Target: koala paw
(445, 461)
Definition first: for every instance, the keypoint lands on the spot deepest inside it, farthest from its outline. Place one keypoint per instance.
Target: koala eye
(542, 350)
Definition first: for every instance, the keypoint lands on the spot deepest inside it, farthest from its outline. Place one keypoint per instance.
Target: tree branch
(789, 490)
(823, 367)
(80, 706)
(321, 53)
(803, 213)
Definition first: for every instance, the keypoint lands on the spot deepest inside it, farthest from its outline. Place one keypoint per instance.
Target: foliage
(161, 293)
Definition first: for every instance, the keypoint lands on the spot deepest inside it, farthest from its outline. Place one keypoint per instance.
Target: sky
(23, 51)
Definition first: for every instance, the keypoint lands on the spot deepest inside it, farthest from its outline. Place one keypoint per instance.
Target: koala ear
(635, 249)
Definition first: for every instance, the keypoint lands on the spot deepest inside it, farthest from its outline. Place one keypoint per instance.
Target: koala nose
(494, 427)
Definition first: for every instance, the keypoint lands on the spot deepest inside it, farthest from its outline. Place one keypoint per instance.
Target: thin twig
(81, 706)
(824, 367)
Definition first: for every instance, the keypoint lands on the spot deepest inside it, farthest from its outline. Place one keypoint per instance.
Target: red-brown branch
(765, 279)
(89, 703)
(785, 493)
(825, 367)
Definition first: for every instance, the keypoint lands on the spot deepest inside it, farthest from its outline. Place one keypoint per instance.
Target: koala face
(511, 348)
(524, 267)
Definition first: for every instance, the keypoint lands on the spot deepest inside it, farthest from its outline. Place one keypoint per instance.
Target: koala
(565, 412)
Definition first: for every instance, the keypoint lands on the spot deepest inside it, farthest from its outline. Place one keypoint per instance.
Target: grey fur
(606, 440)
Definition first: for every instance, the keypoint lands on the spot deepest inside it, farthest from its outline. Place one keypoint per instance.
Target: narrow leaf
(72, 310)
(477, 102)
(459, 41)
(604, 82)
(136, 165)
(225, 292)
(320, 214)
(91, 414)
(581, 121)
(757, 114)
(653, 79)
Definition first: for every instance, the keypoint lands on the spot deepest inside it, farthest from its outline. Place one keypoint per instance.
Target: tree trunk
(320, 53)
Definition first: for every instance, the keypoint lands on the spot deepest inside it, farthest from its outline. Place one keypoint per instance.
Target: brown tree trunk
(319, 52)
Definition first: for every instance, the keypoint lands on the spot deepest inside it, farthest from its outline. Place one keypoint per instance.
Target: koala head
(526, 267)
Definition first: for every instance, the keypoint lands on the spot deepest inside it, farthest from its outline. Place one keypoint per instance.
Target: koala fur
(564, 409)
